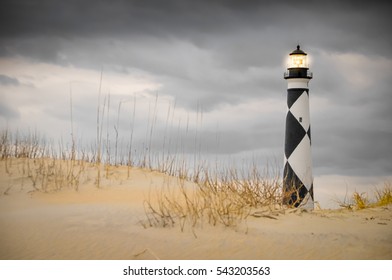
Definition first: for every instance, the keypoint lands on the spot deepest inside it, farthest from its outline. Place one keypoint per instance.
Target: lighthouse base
(298, 196)
(295, 193)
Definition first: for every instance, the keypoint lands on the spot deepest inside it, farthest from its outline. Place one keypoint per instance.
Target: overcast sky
(214, 69)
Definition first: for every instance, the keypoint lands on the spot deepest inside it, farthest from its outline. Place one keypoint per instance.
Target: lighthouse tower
(297, 173)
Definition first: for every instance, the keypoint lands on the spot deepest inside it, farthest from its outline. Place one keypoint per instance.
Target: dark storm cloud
(118, 17)
(258, 25)
(147, 35)
(181, 40)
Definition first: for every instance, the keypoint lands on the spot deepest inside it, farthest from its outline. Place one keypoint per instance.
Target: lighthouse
(297, 172)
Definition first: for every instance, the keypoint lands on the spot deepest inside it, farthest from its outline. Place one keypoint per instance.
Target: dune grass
(381, 197)
(227, 199)
(384, 196)
(49, 169)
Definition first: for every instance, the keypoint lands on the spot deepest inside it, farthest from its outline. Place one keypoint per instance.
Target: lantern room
(298, 66)
(298, 59)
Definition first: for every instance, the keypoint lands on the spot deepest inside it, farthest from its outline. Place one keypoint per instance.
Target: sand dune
(106, 223)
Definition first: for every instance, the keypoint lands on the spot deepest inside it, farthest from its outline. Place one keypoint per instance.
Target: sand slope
(106, 223)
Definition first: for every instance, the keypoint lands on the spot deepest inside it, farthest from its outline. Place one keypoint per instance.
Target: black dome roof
(298, 51)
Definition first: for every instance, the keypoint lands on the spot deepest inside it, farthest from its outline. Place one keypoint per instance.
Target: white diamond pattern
(301, 162)
(300, 109)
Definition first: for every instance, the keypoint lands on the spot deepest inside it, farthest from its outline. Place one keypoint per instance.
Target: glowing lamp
(298, 66)
(298, 59)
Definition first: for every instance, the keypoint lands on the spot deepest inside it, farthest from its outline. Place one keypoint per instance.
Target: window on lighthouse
(298, 61)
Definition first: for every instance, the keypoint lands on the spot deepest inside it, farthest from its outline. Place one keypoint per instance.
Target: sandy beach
(108, 223)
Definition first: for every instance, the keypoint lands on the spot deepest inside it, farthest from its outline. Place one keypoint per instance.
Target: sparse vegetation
(226, 200)
(358, 201)
(384, 195)
(48, 170)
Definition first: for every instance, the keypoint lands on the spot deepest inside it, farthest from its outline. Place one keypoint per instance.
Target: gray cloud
(8, 112)
(8, 81)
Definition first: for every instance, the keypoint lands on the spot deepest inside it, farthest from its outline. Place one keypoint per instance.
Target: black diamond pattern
(310, 138)
(294, 134)
(295, 191)
(292, 95)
